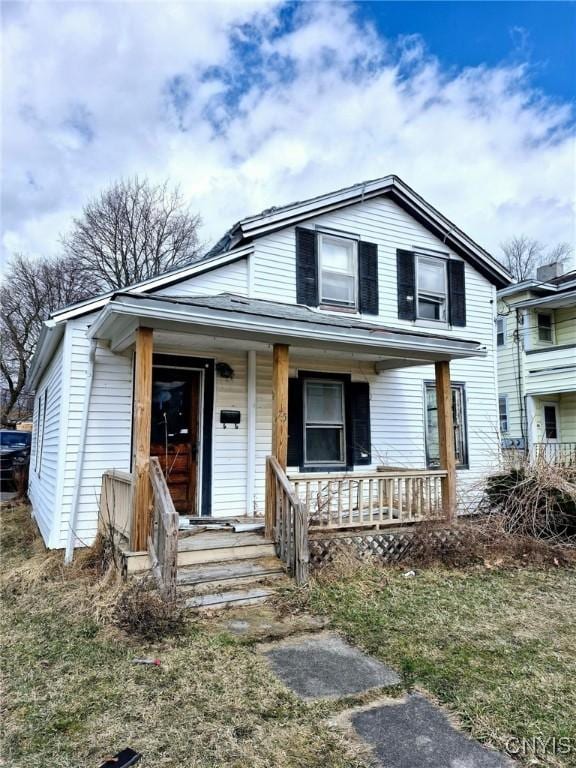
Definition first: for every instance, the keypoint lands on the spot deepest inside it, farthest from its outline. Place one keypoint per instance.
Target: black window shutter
(306, 267)
(295, 424)
(360, 426)
(368, 277)
(406, 280)
(456, 293)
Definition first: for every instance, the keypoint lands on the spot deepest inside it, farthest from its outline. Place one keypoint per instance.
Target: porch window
(338, 271)
(324, 422)
(459, 419)
(545, 327)
(431, 287)
(503, 413)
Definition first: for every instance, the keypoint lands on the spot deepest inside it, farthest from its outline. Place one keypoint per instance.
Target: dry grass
(496, 645)
(72, 694)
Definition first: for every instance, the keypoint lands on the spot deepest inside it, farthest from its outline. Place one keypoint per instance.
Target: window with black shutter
(337, 271)
(430, 288)
(328, 422)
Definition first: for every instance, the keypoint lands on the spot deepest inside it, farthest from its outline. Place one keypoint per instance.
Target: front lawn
(72, 694)
(498, 647)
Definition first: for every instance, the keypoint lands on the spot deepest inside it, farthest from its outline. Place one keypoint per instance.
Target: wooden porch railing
(286, 520)
(563, 454)
(116, 502)
(163, 540)
(370, 499)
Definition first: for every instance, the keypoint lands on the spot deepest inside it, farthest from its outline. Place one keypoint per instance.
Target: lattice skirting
(388, 547)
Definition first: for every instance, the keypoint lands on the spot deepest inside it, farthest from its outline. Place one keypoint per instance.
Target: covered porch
(246, 353)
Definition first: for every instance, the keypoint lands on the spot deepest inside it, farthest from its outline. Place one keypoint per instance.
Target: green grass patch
(72, 695)
(498, 647)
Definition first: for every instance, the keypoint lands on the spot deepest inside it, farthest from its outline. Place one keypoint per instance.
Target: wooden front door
(175, 436)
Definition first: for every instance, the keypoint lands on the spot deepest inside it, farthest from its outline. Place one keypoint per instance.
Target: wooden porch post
(142, 417)
(280, 403)
(279, 426)
(446, 436)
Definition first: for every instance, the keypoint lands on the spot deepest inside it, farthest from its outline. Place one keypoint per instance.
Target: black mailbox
(230, 417)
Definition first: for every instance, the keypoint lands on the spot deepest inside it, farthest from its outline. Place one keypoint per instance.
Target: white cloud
(246, 113)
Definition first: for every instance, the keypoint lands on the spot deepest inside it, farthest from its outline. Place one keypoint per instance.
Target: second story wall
(390, 228)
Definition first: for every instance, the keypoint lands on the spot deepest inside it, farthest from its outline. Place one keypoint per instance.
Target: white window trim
(552, 329)
(461, 387)
(348, 240)
(426, 294)
(339, 425)
(507, 415)
(501, 319)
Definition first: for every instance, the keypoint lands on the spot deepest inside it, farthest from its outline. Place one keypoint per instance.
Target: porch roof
(239, 317)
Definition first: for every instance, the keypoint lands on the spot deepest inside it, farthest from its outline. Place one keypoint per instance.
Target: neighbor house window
(459, 419)
(324, 420)
(338, 271)
(544, 327)
(503, 412)
(550, 422)
(431, 288)
(500, 331)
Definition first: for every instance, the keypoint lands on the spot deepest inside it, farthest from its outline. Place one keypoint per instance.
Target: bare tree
(133, 231)
(31, 290)
(523, 255)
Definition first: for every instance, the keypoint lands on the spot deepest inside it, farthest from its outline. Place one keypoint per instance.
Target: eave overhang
(118, 321)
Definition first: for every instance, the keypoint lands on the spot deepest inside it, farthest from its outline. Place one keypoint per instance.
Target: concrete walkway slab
(414, 733)
(324, 666)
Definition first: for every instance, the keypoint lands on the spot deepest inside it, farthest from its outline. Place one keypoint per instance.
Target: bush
(139, 610)
(535, 499)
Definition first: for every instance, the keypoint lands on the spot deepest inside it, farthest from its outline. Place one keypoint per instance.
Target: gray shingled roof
(230, 302)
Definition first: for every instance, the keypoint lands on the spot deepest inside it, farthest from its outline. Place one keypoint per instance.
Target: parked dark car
(14, 451)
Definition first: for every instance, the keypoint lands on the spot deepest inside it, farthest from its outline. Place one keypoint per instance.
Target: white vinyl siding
(230, 278)
(46, 445)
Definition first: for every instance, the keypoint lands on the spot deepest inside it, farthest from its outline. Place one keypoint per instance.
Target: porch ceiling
(258, 323)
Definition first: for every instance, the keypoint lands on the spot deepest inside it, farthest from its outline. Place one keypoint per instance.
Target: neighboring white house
(537, 363)
(369, 286)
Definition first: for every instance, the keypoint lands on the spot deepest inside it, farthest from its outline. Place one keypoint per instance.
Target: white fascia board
(256, 226)
(153, 283)
(566, 299)
(277, 330)
(48, 341)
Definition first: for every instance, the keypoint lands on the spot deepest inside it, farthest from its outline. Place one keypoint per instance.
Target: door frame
(205, 366)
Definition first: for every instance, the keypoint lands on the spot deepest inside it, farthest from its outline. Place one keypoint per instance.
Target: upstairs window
(459, 421)
(324, 422)
(500, 331)
(503, 413)
(431, 288)
(338, 271)
(545, 327)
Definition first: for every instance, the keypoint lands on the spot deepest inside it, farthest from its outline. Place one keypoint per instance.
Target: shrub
(535, 499)
(139, 610)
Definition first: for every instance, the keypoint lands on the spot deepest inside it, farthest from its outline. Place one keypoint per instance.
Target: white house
(536, 343)
(353, 306)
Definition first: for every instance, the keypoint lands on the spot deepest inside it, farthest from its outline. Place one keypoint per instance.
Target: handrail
(163, 540)
(286, 521)
(339, 500)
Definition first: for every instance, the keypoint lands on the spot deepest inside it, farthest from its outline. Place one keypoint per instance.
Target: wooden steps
(220, 546)
(217, 569)
(218, 600)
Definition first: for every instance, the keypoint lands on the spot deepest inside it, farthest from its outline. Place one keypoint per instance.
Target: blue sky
(542, 34)
(257, 103)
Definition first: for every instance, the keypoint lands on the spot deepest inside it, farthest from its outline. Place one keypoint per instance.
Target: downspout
(80, 457)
